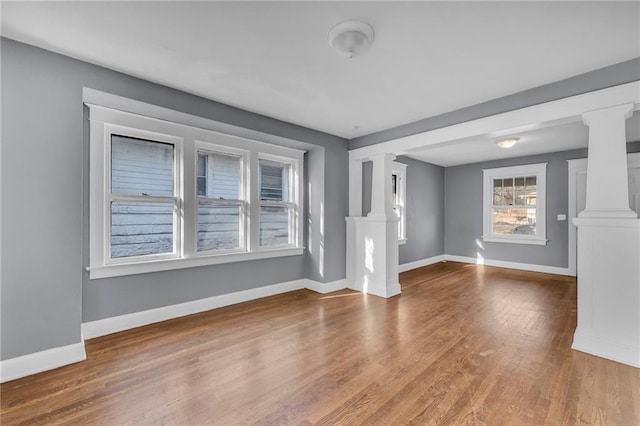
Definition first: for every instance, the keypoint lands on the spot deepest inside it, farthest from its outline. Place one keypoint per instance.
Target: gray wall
(623, 72)
(425, 211)
(463, 211)
(46, 293)
(425, 208)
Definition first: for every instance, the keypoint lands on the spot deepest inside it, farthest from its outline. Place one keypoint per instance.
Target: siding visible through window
(141, 169)
(275, 211)
(221, 215)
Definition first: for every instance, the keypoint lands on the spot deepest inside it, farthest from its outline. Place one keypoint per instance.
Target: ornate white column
(608, 246)
(372, 241)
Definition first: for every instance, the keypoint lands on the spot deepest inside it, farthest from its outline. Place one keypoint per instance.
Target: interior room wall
(46, 293)
(463, 211)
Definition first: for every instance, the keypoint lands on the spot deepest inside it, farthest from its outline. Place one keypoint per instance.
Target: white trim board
(37, 362)
(111, 325)
(565, 110)
(420, 263)
(509, 265)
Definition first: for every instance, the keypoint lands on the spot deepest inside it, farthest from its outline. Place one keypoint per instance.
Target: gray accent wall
(621, 73)
(46, 293)
(425, 208)
(463, 206)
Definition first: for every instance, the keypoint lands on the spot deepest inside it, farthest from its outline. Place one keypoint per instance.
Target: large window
(514, 204)
(167, 196)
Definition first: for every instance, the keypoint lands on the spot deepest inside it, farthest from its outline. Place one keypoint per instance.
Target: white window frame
(186, 140)
(118, 130)
(540, 172)
(292, 204)
(400, 171)
(243, 202)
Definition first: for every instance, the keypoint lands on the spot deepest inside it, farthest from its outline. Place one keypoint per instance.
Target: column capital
(624, 110)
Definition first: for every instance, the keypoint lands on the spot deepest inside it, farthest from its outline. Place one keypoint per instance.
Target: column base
(609, 289)
(606, 347)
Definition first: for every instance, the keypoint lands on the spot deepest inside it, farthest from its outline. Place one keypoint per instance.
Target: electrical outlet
(562, 217)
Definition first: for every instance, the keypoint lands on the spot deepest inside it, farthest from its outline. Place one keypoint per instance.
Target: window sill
(516, 240)
(122, 269)
(402, 241)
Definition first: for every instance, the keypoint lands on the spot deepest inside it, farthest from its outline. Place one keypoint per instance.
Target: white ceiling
(273, 58)
(556, 138)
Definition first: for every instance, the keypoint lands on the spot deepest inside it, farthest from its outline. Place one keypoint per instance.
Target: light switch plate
(562, 217)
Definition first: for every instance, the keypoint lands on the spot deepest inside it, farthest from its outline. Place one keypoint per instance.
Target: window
(167, 196)
(221, 202)
(276, 211)
(142, 198)
(514, 204)
(398, 198)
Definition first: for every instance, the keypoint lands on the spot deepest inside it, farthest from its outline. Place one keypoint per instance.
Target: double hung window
(142, 199)
(167, 196)
(222, 204)
(277, 212)
(514, 204)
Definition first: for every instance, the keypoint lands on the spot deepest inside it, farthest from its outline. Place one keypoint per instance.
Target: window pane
(274, 181)
(218, 227)
(201, 181)
(139, 228)
(514, 221)
(498, 193)
(519, 191)
(222, 176)
(274, 226)
(141, 167)
(530, 192)
(507, 192)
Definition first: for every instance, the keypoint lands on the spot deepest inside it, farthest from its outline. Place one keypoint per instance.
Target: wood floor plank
(463, 344)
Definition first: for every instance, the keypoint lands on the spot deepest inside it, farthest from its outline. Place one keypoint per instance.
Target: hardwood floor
(463, 344)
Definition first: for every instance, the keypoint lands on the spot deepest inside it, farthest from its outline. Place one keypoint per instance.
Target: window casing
(168, 196)
(399, 198)
(514, 201)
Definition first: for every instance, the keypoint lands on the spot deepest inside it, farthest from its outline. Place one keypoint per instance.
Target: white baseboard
(111, 325)
(509, 265)
(420, 263)
(38, 362)
(324, 288)
(605, 347)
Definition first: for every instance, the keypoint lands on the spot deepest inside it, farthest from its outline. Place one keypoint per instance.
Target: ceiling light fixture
(507, 143)
(351, 38)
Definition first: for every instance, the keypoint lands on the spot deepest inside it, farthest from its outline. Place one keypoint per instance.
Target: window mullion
(189, 206)
(253, 199)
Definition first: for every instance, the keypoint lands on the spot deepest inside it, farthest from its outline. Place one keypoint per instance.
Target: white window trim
(189, 201)
(400, 170)
(540, 171)
(292, 203)
(187, 140)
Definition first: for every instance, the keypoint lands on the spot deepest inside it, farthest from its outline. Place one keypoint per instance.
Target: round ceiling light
(507, 143)
(351, 38)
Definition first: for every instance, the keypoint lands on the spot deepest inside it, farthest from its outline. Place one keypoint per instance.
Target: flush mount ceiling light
(351, 38)
(507, 143)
